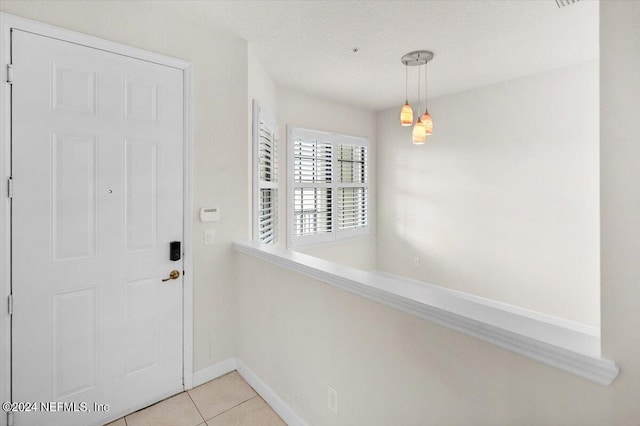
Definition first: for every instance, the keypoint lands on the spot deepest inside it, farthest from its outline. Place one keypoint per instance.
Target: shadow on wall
(503, 199)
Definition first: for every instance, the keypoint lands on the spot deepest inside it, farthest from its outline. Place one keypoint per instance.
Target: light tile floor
(225, 401)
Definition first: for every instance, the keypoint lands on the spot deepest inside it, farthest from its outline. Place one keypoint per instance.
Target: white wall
(220, 134)
(620, 199)
(300, 335)
(300, 110)
(502, 200)
(260, 83)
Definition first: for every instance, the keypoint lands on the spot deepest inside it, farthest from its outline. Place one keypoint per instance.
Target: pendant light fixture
(424, 125)
(406, 113)
(419, 135)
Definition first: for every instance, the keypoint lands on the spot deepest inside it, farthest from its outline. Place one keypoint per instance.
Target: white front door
(97, 166)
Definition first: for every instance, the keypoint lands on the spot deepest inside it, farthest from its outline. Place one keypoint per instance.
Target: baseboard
(213, 371)
(287, 414)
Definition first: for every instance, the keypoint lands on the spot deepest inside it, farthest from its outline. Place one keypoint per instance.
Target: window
(327, 183)
(265, 166)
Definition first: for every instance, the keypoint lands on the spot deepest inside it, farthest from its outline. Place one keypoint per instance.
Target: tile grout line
(196, 405)
(256, 394)
(231, 408)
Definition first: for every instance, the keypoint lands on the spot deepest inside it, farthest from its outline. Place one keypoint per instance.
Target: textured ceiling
(307, 45)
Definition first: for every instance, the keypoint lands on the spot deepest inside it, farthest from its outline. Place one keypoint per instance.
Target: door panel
(141, 101)
(142, 326)
(141, 187)
(97, 169)
(73, 196)
(74, 342)
(73, 89)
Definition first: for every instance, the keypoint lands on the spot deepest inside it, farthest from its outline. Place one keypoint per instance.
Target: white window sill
(567, 345)
(300, 243)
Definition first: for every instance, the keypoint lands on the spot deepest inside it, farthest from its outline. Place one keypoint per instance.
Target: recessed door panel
(73, 198)
(142, 324)
(73, 89)
(74, 342)
(141, 194)
(141, 100)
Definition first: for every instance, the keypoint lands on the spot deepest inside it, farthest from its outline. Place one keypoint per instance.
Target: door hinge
(9, 73)
(10, 187)
(10, 418)
(10, 304)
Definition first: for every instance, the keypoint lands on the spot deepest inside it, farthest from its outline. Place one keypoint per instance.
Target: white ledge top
(567, 345)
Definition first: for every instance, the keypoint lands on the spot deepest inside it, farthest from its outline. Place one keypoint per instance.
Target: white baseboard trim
(287, 414)
(213, 371)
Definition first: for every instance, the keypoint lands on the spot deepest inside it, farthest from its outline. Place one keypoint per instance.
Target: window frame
(262, 116)
(336, 234)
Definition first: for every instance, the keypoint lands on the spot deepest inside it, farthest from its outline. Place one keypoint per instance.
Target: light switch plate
(332, 399)
(209, 237)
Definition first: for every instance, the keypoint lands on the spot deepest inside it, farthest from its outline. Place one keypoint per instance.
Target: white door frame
(7, 22)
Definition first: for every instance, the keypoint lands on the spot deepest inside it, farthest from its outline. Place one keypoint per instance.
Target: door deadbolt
(173, 275)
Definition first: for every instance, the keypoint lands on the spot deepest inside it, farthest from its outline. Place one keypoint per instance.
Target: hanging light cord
(406, 83)
(419, 100)
(426, 68)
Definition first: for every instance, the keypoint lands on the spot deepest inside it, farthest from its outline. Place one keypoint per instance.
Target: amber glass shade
(406, 115)
(419, 135)
(427, 122)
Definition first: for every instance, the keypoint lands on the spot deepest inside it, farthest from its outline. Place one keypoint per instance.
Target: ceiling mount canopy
(417, 58)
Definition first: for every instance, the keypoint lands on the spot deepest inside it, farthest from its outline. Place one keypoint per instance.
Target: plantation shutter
(266, 170)
(352, 187)
(312, 178)
(328, 197)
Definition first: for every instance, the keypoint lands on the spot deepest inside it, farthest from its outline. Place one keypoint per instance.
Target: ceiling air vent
(563, 3)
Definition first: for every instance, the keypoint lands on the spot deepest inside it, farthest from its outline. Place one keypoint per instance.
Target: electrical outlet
(209, 237)
(416, 262)
(332, 399)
